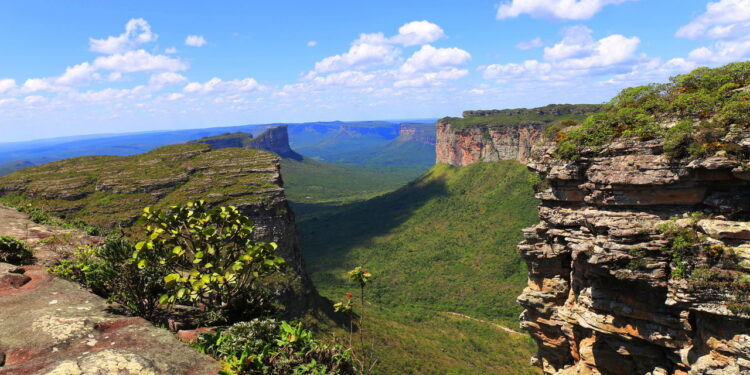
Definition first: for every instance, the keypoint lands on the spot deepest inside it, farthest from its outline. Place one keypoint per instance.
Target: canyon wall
(466, 145)
(417, 132)
(640, 262)
(275, 140)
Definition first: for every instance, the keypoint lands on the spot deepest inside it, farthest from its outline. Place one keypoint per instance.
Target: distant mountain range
(335, 141)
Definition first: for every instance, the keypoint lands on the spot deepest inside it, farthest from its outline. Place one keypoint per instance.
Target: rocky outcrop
(111, 192)
(51, 326)
(640, 263)
(275, 140)
(464, 146)
(492, 135)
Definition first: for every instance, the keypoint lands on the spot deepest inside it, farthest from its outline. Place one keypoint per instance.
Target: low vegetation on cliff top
(546, 115)
(692, 114)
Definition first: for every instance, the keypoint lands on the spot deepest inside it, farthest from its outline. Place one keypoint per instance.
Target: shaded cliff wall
(466, 145)
(275, 140)
(611, 291)
(422, 133)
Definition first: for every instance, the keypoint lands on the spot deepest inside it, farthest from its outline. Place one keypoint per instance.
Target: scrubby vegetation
(270, 347)
(14, 251)
(546, 115)
(692, 114)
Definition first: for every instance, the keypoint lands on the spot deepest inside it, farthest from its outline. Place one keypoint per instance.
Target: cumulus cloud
(418, 32)
(725, 19)
(195, 41)
(220, 86)
(728, 23)
(137, 32)
(170, 50)
(556, 9)
(431, 58)
(577, 54)
(366, 52)
(7, 84)
(438, 78)
(137, 61)
(78, 74)
(529, 44)
(165, 79)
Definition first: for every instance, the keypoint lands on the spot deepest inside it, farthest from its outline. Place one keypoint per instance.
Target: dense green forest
(442, 244)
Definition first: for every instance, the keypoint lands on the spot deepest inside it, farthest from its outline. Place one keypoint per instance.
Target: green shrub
(14, 251)
(209, 255)
(111, 271)
(678, 138)
(270, 347)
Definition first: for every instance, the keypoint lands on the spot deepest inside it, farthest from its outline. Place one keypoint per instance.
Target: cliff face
(111, 191)
(236, 139)
(421, 133)
(275, 140)
(464, 146)
(616, 287)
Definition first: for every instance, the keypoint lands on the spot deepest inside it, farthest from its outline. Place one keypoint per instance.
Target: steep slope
(111, 191)
(500, 134)
(641, 261)
(275, 140)
(443, 243)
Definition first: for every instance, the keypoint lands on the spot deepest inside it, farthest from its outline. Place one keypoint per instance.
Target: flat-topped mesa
(641, 261)
(417, 132)
(275, 140)
(111, 191)
(494, 135)
(236, 139)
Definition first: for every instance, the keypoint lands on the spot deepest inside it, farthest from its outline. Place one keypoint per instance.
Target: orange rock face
(606, 293)
(461, 147)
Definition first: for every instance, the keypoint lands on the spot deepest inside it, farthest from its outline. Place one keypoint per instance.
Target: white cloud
(217, 85)
(557, 9)
(349, 78)
(724, 19)
(362, 54)
(170, 50)
(432, 78)
(7, 84)
(195, 40)
(77, 75)
(175, 96)
(431, 58)
(312, 43)
(136, 61)
(530, 44)
(33, 99)
(418, 32)
(37, 84)
(728, 23)
(137, 32)
(577, 54)
(165, 78)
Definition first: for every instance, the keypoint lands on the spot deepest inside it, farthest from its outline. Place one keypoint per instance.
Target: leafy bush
(713, 98)
(209, 255)
(14, 251)
(111, 271)
(270, 347)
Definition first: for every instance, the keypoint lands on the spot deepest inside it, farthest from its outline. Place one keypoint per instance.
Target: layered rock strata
(462, 146)
(640, 263)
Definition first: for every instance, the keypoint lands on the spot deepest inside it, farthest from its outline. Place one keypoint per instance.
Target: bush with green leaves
(110, 270)
(209, 255)
(14, 251)
(711, 99)
(270, 347)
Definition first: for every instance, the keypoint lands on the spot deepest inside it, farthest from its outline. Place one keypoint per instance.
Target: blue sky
(83, 67)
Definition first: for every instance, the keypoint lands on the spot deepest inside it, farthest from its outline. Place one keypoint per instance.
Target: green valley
(444, 243)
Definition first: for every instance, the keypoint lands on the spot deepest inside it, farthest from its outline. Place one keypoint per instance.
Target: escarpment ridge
(641, 261)
(494, 135)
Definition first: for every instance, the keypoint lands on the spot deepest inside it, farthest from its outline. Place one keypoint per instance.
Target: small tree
(361, 277)
(210, 255)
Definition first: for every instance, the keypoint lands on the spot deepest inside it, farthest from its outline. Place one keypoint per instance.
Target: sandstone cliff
(417, 132)
(499, 134)
(615, 286)
(275, 140)
(111, 191)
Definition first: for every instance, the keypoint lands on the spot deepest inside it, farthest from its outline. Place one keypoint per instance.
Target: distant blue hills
(324, 141)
